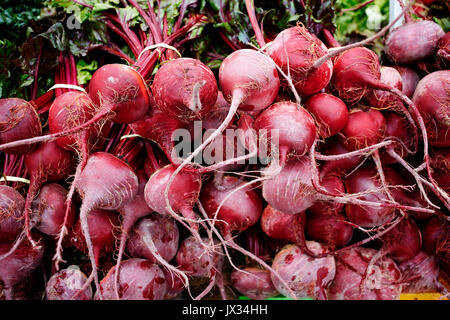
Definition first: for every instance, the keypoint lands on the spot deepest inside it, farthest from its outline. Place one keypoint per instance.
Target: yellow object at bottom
(422, 296)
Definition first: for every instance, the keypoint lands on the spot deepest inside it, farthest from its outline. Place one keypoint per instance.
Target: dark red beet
(334, 185)
(306, 276)
(139, 280)
(183, 192)
(329, 229)
(409, 80)
(174, 284)
(294, 126)
(299, 49)
(440, 164)
(443, 52)
(18, 266)
(423, 270)
(334, 146)
(196, 262)
(364, 179)
(432, 98)
(413, 41)
(354, 70)
(291, 190)
(18, 120)
(397, 127)
(363, 128)
(102, 225)
(47, 163)
(330, 113)
(185, 89)
(283, 226)
(381, 284)
(154, 232)
(252, 75)
(70, 110)
(257, 285)
(402, 242)
(217, 114)
(159, 128)
(49, 207)
(11, 209)
(241, 206)
(66, 283)
(121, 89)
(381, 99)
(434, 232)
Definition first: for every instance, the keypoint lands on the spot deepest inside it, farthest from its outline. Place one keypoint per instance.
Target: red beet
(432, 98)
(18, 266)
(154, 232)
(11, 208)
(334, 146)
(330, 113)
(69, 110)
(397, 128)
(443, 52)
(64, 284)
(183, 192)
(18, 120)
(413, 41)
(423, 270)
(257, 285)
(363, 128)
(102, 225)
(249, 77)
(293, 125)
(121, 89)
(434, 232)
(329, 229)
(139, 279)
(185, 89)
(297, 48)
(240, 205)
(306, 276)
(333, 184)
(409, 80)
(196, 262)
(365, 179)
(291, 190)
(49, 207)
(381, 99)
(106, 183)
(283, 226)
(381, 284)
(161, 129)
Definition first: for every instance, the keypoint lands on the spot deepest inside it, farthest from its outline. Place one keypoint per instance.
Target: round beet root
(409, 80)
(432, 98)
(348, 283)
(49, 206)
(363, 129)
(413, 41)
(293, 125)
(299, 49)
(11, 208)
(381, 99)
(257, 285)
(66, 283)
(193, 258)
(18, 120)
(121, 89)
(306, 276)
(185, 89)
(139, 279)
(154, 232)
(241, 206)
(364, 179)
(254, 75)
(330, 113)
